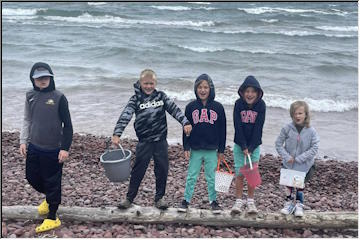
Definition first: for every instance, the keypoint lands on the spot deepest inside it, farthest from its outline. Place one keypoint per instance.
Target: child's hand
(221, 157)
(115, 140)
(63, 155)
(23, 150)
(291, 160)
(187, 155)
(246, 152)
(187, 129)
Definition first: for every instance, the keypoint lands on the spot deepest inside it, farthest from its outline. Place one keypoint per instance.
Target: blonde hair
(148, 72)
(295, 105)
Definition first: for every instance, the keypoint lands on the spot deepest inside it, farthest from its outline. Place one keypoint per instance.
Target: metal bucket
(116, 164)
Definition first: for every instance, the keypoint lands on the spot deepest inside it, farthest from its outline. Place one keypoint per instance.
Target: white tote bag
(292, 178)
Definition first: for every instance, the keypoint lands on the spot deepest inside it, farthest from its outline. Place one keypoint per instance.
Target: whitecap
(21, 11)
(88, 18)
(339, 28)
(172, 8)
(96, 3)
(228, 97)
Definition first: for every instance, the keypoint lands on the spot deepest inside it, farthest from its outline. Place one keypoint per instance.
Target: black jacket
(150, 122)
(208, 122)
(249, 120)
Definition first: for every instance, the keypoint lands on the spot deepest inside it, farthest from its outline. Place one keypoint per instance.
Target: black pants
(144, 152)
(44, 172)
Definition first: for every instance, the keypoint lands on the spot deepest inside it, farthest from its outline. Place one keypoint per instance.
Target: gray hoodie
(302, 146)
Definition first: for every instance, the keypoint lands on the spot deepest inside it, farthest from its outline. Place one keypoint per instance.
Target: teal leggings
(210, 163)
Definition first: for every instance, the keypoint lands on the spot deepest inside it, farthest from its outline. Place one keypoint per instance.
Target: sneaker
(238, 206)
(161, 204)
(183, 206)
(251, 208)
(215, 207)
(299, 209)
(125, 204)
(289, 207)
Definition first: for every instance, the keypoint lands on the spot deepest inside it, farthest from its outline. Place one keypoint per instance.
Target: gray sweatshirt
(302, 146)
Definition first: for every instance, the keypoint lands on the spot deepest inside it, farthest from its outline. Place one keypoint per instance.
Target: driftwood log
(138, 214)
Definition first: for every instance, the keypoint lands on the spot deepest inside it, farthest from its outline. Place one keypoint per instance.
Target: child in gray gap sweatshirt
(297, 144)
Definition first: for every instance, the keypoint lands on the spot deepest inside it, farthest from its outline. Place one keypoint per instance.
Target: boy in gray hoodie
(297, 144)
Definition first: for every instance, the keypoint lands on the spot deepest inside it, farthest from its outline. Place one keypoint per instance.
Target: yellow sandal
(43, 208)
(47, 225)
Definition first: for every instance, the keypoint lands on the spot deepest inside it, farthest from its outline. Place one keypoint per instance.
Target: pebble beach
(334, 187)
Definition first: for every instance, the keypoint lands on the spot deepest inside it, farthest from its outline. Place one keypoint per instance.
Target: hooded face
(42, 82)
(203, 90)
(44, 77)
(251, 95)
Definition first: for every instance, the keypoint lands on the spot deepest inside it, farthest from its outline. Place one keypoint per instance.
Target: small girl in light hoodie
(297, 145)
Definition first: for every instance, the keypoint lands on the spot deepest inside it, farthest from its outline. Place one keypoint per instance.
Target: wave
(274, 100)
(339, 28)
(269, 20)
(261, 10)
(96, 3)
(218, 49)
(200, 3)
(182, 8)
(172, 8)
(21, 11)
(88, 18)
(294, 33)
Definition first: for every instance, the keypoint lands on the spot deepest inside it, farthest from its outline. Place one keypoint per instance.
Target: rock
(139, 227)
(4, 230)
(160, 227)
(108, 235)
(307, 234)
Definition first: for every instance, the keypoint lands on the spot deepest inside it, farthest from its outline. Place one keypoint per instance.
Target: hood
(211, 84)
(250, 81)
(51, 86)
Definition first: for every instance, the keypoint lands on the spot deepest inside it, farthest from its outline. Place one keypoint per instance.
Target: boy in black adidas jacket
(207, 140)
(149, 106)
(45, 139)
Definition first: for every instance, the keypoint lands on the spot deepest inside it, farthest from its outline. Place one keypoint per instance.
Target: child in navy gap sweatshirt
(249, 118)
(206, 141)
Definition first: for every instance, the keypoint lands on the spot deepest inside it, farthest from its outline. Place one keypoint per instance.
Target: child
(249, 118)
(301, 146)
(207, 139)
(45, 139)
(149, 106)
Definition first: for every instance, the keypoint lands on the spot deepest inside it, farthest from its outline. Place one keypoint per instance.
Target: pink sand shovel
(251, 173)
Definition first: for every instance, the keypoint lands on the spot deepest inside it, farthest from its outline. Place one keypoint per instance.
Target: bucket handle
(218, 166)
(250, 163)
(108, 144)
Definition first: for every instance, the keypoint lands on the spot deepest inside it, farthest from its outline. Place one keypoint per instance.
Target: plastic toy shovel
(251, 173)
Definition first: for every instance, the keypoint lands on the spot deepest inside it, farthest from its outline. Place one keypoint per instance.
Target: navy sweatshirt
(249, 120)
(208, 122)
